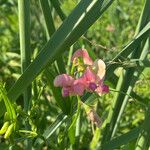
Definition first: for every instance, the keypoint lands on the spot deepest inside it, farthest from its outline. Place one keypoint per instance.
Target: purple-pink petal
(92, 86)
(65, 91)
(105, 89)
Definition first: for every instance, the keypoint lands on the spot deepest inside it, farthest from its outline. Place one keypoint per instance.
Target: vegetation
(37, 41)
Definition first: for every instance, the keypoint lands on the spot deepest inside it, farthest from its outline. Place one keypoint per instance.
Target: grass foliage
(37, 39)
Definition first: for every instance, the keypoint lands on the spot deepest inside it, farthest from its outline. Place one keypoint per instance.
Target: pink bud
(102, 89)
(84, 54)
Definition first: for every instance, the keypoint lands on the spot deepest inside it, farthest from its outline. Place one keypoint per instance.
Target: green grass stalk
(24, 31)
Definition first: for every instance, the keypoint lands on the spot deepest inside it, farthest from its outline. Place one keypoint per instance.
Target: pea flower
(91, 79)
(82, 53)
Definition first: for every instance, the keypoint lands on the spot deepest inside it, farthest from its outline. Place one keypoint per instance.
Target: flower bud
(6, 116)
(9, 131)
(4, 128)
(92, 115)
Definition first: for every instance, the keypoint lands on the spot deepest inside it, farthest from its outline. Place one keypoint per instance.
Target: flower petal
(63, 80)
(99, 90)
(84, 54)
(78, 87)
(92, 86)
(65, 91)
(89, 76)
(102, 89)
(105, 89)
(100, 68)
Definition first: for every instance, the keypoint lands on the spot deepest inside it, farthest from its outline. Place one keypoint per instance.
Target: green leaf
(48, 17)
(9, 107)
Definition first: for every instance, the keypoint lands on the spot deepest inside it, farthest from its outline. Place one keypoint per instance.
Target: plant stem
(24, 27)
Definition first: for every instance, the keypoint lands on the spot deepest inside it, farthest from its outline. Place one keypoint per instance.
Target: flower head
(91, 78)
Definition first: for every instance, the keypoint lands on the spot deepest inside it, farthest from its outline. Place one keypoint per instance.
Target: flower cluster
(86, 76)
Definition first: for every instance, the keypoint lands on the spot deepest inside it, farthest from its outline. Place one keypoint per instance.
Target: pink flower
(84, 55)
(92, 82)
(91, 79)
(77, 88)
(63, 80)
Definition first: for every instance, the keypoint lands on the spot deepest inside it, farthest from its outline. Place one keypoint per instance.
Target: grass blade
(24, 27)
(121, 140)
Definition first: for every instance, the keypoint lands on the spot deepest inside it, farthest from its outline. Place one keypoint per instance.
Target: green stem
(24, 26)
(69, 60)
(78, 129)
